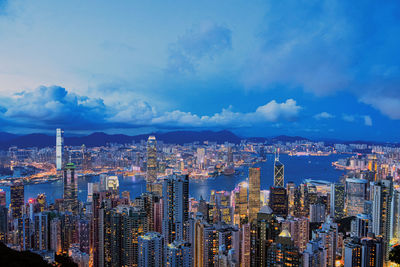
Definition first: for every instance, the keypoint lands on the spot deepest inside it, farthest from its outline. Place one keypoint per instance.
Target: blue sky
(320, 69)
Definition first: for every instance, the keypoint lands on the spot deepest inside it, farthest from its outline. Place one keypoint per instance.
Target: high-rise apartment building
(71, 189)
(17, 199)
(151, 250)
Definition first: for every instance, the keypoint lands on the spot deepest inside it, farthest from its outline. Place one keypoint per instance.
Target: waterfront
(297, 168)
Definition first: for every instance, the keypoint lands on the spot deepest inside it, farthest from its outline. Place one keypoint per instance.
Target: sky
(318, 69)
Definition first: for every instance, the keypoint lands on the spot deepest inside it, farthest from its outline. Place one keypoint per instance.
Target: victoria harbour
(297, 168)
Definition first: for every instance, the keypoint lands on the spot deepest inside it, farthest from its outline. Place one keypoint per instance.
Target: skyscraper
(71, 189)
(17, 199)
(337, 201)
(356, 193)
(291, 191)
(279, 176)
(151, 250)
(151, 175)
(254, 193)
(176, 207)
(283, 252)
(278, 201)
(59, 149)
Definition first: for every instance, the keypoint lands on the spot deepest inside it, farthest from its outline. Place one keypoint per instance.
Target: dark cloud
(201, 41)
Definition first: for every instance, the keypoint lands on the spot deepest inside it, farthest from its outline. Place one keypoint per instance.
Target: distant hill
(175, 137)
(101, 139)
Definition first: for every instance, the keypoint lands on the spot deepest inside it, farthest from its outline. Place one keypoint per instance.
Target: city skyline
(331, 69)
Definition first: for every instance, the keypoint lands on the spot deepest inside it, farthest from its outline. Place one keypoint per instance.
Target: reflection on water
(297, 168)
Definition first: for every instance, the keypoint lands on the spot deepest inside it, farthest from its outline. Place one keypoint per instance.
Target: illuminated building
(2, 197)
(176, 207)
(328, 233)
(84, 235)
(283, 252)
(3, 224)
(254, 193)
(200, 158)
(245, 244)
(151, 250)
(337, 201)
(352, 254)
(41, 226)
(291, 194)
(230, 156)
(71, 189)
(210, 245)
(59, 149)
(178, 254)
(314, 255)
(241, 203)
(151, 175)
(372, 252)
(112, 184)
(278, 201)
(55, 235)
(382, 197)
(17, 199)
(263, 231)
(356, 193)
(395, 215)
(147, 202)
(95, 228)
(279, 176)
(299, 230)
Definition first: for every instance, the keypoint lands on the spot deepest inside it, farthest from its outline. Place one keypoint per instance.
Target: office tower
(200, 158)
(71, 189)
(352, 253)
(337, 199)
(179, 254)
(317, 213)
(278, 201)
(176, 207)
(59, 149)
(198, 241)
(2, 197)
(254, 193)
(361, 225)
(263, 231)
(299, 229)
(3, 224)
(41, 226)
(382, 197)
(151, 250)
(279, 177)
(17, 199)
(291, 193)
(151, 175)
(283, 252)
(356, 193)
(229, 156)
(303, 201)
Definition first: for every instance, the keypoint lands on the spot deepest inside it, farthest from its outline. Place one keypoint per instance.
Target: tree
(394, 254)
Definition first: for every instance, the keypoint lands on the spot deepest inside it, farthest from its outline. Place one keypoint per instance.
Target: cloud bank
(50, 107)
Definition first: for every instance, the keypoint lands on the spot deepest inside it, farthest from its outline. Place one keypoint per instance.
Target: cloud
(206, 40)
(328, 46)
(54, 106)
(323, 115)
(367, 120)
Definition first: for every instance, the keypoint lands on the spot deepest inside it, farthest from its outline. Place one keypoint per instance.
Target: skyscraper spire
(278, 171)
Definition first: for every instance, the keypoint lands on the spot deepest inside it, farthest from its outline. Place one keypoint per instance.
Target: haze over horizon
(314, 69)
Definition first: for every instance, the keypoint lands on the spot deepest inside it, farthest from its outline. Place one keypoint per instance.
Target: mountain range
(175, 137)
(100, 139)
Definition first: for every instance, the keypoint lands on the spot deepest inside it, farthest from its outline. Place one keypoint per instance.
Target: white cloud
(323, 115)
(367, 120)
